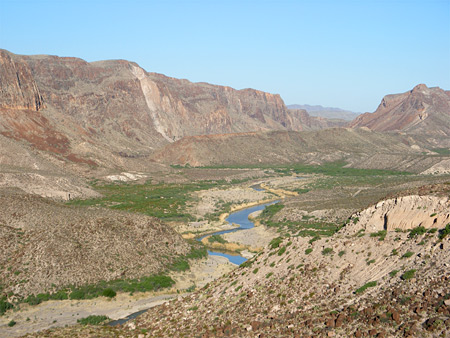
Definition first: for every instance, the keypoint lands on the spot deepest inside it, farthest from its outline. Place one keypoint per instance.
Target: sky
(345, 54)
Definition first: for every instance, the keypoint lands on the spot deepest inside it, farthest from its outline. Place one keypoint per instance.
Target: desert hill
(421, 111)
(47, 246)
(108, 112)
(326, 112)
(356, 146)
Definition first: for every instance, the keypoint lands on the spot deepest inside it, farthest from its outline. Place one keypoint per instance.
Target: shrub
(281, 251)
(370, 262)
(407, 254)
(365, 286)
(12, 323)
(256, 270)
(393, 273)
(408, 274)
(341, 253)
(4, 305)
(444, 232)
(110, 293)
(417, 231)
(275, 243)
(327, 251)
(77, 294)
(308, 251)
(217, 238)
(92, 320)
(380, 234)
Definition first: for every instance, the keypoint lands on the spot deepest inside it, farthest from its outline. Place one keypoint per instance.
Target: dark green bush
(327, 251)
(12, 323)
(92, 320)
(110, 293)
(417, 231)
(444, 232)
(365, 286)
(308, 251)
(408, 274)
(4, 305)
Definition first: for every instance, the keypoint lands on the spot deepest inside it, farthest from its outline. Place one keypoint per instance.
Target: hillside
(326, 112)
(47, 246)
(357, 147)
(114, 113)
(361, 282)
(421, 111)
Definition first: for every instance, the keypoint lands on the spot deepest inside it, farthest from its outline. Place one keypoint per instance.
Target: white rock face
(404, 213)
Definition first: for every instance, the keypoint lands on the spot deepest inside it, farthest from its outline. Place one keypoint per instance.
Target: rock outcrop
(404, 213)
(421, 110)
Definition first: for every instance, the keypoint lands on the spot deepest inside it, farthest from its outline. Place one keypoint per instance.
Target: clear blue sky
(345, 54)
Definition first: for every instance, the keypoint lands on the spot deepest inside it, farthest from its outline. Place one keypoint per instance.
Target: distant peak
(419, 88)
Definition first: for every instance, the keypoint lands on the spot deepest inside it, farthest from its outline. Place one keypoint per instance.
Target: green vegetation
(12, 323)
(407, 254)
(281, 251)
(4, 305)
(441, 151)
(370, 262)
(182, 263)
(327, 251)
(380, 234)
(165, 201)
(217, 238)
(110, 293)
(341, 253)
(408, 274)
(365, 286)
(420, 230)
(444, 232)
(92, 320)
(275, 243)
(393, 273)
(308, 251)
(270, 210)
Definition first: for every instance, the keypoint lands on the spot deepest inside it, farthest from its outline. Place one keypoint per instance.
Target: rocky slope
(357, 283)
(326, 112)
(109, 112)
(420, 111)
(47, 246)
(354, 146)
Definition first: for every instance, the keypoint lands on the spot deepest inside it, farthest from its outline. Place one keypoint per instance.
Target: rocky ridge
(420, 111)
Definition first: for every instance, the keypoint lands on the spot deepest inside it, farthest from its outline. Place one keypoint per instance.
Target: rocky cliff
(421, 110)
(106, 112)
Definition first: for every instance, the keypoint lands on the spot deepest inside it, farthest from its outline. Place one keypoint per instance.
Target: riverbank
(66, 312)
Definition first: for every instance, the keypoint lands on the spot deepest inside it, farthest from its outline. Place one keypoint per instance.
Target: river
(240, 218)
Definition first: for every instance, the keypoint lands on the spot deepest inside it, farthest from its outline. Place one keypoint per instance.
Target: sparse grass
(93, 320)
(165, 201)
(365, 286)
(217, 238)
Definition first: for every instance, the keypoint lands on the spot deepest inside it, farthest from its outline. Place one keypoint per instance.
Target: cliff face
(422, 110)
(18, 90)
(109, 111)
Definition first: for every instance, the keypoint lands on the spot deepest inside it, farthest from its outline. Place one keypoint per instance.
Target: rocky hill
(361, 282)
(356, 146)
(326, 112)
(108, 112)
(420, 111)
(47, 246)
